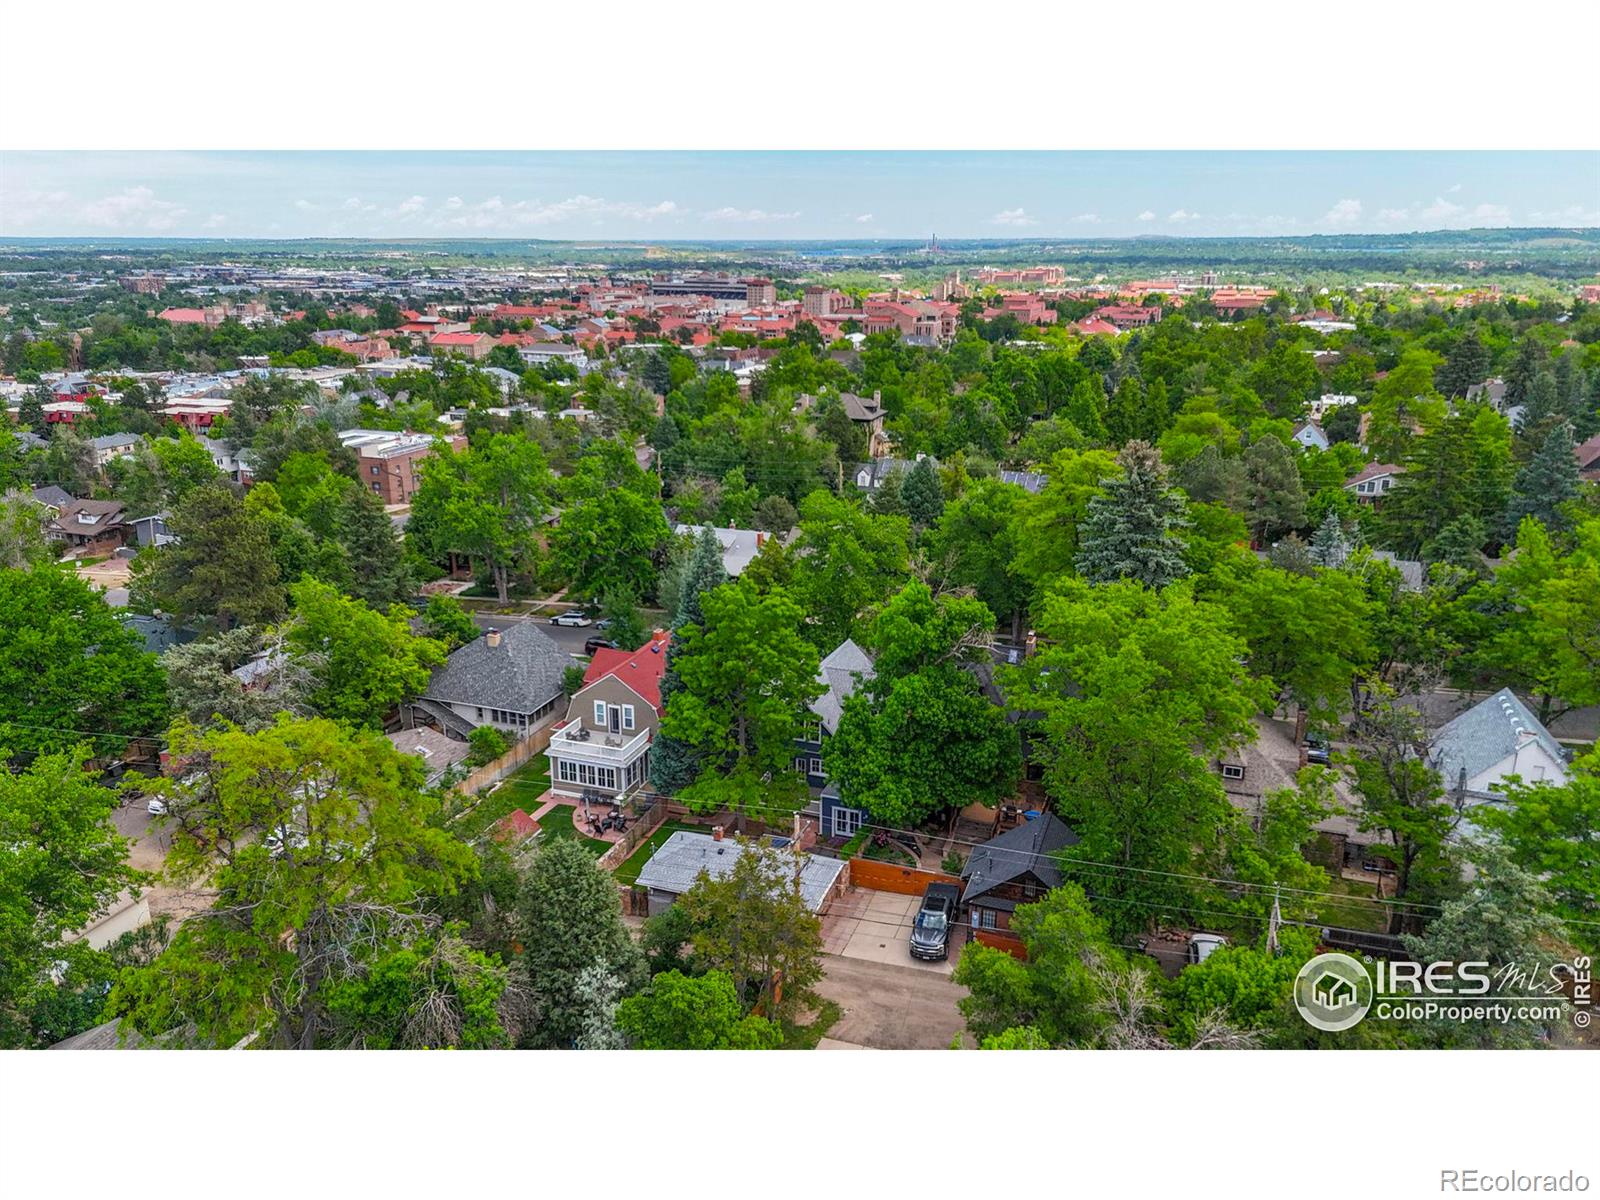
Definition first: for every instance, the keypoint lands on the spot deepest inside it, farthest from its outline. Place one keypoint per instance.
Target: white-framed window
(600, 713)
(1232, 771)
(627, 716)
(846, 821)
(984, 918)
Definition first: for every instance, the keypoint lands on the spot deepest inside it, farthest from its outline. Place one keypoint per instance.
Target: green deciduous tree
(70, 672)
(363, 662)
(747, 676)
(851, 560)
(684, 1012)
(1137, 690)
(1055, 991)
(921, 737)
(63, 863)
(753, 924)
(354, 854)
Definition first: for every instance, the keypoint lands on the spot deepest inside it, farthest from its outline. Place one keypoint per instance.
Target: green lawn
(1353, 913)
(521, 790)
(557, 825)
(628, 872)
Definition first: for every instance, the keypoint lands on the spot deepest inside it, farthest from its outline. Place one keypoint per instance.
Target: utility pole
(1275, 920)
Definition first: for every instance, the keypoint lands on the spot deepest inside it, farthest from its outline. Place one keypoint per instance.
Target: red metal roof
(640, 669)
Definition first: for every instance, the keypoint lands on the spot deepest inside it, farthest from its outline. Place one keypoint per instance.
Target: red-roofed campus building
(604, 744)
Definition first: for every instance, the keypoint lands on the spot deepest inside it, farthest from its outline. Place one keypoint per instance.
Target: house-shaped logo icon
(1332, 992)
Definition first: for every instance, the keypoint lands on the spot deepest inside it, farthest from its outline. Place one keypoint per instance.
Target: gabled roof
(1373, 471)
(1487, 733)
(861, 408)
(1022, 850)
(640, 669)
(521, 674)
(841, 672)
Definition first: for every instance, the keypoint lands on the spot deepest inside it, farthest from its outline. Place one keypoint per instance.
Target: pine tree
(1086, 409)
(1329, 546)
(1466, 364)
(674, 764)
(1131, 530)
(30, 415)
(923, 494)
(1530, 360)
(1274, 493)
(1548, 481)
(1459, 544)
(380, 574)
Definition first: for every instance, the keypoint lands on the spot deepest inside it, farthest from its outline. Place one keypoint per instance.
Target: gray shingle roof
(521, 674)
(1019, 850)
(1486, 734)
(684, 855)
(840, 673)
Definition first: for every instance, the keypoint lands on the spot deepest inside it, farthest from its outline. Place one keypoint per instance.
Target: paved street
(891, 1007)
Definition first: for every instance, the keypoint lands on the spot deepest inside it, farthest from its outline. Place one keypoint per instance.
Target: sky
(664, 195)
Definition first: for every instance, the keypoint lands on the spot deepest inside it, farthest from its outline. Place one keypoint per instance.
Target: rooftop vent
(492, 638)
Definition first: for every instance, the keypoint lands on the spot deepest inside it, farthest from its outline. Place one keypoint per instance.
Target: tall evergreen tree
(1330, 547)
(1466, 364)
(379, 573)
(1548, 481)
(923, 494)
(1531, 358)
(1131, 530)
(674, 764)
(1277, 501)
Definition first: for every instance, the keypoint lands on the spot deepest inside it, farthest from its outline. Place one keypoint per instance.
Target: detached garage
(684, 856)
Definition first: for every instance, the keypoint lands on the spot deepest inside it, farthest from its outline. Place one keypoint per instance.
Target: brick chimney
(716, 833)
(492, 638)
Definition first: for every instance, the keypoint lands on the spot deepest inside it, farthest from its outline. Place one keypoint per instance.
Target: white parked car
(157, 807)
(1203, 945)
(576, 617)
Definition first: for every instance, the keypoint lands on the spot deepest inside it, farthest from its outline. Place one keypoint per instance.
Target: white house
(1310, 436)
(1475, 752)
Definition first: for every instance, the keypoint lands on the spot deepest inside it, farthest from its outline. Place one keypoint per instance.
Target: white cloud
(453, 203)
(1183, 215)
(729, 213)
(305, 205)
(215, 221)
(1087, 219)
(1147, 215)
(863, 218)
(1446, 214)
(1572, 215)
(1012, 216)
(131, 208)
(413, 204)
(1453, 188)
(1345, 212)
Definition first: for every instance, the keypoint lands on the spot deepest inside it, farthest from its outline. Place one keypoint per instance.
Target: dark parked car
(930, 932)
(598, 643)
(1317, 750)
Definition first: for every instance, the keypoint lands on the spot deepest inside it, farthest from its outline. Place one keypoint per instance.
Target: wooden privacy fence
(496, 770)
(1000, 939)
(886, 877)
(643, 826)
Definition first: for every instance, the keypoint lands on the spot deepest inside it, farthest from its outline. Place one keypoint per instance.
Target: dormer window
(1232, 771)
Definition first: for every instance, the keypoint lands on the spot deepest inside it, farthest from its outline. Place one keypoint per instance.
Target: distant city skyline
(712, 196)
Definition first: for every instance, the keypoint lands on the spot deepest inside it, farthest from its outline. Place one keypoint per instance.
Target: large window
(600, 713)
(586, 774)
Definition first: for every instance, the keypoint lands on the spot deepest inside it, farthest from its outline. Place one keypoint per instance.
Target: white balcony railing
(569, 742)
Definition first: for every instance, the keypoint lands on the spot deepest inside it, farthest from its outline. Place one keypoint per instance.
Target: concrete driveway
(889, 1006)
(876, 927)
